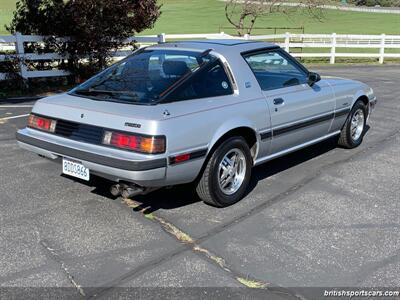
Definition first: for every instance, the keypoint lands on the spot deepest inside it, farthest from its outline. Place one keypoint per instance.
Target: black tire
(208, 187)
(346, 140)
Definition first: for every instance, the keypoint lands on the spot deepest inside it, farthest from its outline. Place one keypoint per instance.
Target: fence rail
(15, 48)
(14, 44)
(334, 42)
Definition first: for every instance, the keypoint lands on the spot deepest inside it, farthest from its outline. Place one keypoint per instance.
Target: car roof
(222, 42)
(222, 46)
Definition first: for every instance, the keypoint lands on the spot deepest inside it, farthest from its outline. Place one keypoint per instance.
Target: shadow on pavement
(22, 100)
(286, 162)
(183, 195)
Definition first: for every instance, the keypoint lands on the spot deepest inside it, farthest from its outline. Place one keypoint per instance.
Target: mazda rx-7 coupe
(195, 111)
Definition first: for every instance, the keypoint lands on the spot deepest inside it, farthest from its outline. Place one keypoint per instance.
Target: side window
(210, 82)
(274, 71)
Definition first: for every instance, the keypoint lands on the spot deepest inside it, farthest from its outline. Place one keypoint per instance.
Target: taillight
(134, 142)
(42, 123)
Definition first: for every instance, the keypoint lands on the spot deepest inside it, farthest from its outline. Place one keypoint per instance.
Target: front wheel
(227, 173)
(354, 129)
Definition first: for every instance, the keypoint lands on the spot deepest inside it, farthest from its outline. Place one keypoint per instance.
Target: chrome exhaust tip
(116, 190)
(132, 191)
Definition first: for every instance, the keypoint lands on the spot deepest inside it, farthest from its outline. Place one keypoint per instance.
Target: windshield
(145, 77)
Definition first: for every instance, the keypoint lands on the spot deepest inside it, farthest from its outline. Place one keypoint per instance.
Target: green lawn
(6, 10)
(206, 16)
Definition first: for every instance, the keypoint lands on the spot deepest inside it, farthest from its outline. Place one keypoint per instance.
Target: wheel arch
(245, 131)
(226, 132)
(364, 98)
(248, 133)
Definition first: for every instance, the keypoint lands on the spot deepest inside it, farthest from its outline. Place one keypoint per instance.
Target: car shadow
(22, 100)
(289, 161)
(184, 195)
(164, 198)
(167, 198)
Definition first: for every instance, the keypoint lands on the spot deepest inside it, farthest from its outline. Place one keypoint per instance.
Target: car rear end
(130, 122)
(114, 140)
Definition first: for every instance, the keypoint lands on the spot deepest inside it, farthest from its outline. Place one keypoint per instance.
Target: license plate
(75, 169)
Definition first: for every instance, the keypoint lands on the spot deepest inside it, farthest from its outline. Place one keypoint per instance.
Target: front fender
(363, 90)
(368, 93)
(358, 94)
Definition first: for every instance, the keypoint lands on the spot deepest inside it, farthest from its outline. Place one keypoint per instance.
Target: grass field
(206, 16)
(6, 11)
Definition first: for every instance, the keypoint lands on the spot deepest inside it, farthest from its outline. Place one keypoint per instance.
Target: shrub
(13, 80)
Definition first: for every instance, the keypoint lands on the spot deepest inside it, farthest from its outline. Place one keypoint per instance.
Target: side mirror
(313, 78)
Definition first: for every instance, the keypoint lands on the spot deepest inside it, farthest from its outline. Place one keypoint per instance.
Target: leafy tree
(95, 27)
(243, 14)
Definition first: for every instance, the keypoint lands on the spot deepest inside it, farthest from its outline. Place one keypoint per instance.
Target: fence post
(287, 42)
(333, 49)
(382, 49)
(161, 38)
(19, 47)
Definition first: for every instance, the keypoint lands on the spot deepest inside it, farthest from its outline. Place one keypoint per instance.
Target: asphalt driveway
(320, 217)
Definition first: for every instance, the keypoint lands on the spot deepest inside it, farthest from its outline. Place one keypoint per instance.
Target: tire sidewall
(232, 143)
(357, 106)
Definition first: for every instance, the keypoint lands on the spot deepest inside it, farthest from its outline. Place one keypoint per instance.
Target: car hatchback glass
(144, 77)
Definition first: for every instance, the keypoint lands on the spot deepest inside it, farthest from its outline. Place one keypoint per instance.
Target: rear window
(145, 77)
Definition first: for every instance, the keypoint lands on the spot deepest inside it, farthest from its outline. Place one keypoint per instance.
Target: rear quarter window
(210, 82)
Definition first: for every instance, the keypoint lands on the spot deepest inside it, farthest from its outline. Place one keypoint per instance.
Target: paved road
(321, 217)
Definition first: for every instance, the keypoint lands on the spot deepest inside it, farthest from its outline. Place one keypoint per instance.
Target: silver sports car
(195, 111)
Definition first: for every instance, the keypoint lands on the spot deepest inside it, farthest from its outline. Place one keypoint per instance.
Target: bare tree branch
(243, 14)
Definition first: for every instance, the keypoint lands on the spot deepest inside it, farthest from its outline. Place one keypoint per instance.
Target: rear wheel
(354, 129)
(227, 173)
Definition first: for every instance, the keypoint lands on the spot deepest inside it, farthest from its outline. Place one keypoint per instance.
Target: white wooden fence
(290, 42)
(334, 42)
(14, 46)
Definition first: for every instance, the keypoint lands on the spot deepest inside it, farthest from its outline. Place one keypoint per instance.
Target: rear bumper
(149, 172)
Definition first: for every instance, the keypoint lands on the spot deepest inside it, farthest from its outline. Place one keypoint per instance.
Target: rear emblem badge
(134, 125)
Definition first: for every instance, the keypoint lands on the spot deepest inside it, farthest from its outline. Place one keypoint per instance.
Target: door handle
(279, 101)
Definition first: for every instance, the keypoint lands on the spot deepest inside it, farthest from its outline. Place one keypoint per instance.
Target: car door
(299, 112)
